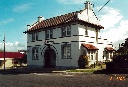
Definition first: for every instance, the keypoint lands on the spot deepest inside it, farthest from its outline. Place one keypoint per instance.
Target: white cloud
(75, 1)
(6, 21)
(22, 8)
(116, 27)
(13, 47)
(110, 18)
(71, 1)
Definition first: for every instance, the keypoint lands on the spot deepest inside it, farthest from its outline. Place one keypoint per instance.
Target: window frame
(66, 30)
(35, 53)
(35, 36)
(67, 49)
(49, 34)
(92, 54)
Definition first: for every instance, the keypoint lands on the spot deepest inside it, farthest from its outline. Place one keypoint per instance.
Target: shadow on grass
(25, 70)
(111, 71)
(16, 71)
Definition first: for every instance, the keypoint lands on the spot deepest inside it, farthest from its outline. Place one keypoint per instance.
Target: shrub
(83, 61)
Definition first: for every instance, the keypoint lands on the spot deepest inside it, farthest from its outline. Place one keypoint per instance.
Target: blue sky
(15, 15)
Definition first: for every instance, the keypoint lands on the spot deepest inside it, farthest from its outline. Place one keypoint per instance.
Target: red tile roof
(11, 55)
(109, 48)
(70, 17)
(89, 46)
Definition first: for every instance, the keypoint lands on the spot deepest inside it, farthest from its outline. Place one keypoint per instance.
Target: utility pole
(4, 52)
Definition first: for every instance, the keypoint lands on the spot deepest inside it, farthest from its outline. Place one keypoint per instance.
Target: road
(62, 80)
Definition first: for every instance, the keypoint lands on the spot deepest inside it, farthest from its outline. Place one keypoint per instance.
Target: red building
(11, 59)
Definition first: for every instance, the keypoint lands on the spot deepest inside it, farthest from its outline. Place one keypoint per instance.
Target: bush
(83, 61)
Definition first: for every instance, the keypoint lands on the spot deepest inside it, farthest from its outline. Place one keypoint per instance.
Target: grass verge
(82, 70)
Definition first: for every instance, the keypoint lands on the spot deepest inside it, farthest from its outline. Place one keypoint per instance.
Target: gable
(89, 16)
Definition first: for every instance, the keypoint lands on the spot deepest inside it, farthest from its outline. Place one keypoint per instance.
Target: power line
(104, 5)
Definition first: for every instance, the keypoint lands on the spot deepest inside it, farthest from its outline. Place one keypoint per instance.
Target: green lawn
(91, 70)
(82, 70)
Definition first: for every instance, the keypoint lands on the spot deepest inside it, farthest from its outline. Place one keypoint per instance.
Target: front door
(50, 58)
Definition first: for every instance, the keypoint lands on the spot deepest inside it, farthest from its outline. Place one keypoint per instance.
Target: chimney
(28, 27)
(88, 5)
(40, 18)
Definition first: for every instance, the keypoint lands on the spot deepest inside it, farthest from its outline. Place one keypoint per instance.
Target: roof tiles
(89, 46)
(70, 17)
(109, 48)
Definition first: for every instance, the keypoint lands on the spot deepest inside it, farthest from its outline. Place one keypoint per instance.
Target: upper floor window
(86, 31)
(35, 53)
(66, 31)
(35, 36)
(49, 34)
(66, 51)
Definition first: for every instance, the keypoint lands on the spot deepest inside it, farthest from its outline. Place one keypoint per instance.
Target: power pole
(4, 52)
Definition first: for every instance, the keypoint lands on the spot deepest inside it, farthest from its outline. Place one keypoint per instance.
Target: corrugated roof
(89, 46)
(70, 17)
(11, 55)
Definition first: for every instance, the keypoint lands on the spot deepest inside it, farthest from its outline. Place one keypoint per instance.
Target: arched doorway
(49, 58)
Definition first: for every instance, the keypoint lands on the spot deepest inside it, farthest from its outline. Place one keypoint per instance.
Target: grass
(91, 70)
(82, 70)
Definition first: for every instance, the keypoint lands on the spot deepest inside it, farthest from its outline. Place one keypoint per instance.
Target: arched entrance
(49, 58)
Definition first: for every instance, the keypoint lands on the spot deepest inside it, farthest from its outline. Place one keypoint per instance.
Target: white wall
(90, 17)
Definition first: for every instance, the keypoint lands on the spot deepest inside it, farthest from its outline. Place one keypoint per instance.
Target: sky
(15, 15)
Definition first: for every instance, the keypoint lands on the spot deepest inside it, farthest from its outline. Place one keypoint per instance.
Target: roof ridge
(58, 20)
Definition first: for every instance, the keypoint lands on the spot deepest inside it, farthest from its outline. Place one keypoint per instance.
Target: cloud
(110, 17)
(116, 26)
(13, 47)
(74, 1)
(71, 1)
(6, 21)
(22, 8)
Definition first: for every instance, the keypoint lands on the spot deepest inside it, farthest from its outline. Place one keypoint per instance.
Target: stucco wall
(88, 15)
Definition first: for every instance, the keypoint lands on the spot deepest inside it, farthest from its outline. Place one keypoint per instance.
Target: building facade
(59, 41)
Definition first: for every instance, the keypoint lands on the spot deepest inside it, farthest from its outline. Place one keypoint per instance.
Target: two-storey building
(59, 41)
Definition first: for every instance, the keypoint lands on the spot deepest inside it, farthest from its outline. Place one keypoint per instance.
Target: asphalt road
(62, 80)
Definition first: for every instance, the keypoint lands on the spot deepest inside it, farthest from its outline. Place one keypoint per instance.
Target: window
(66, 51)
(35, 36)
(49, 34)
(86, 31)
(35, 53)
(91, 55)
(0, 62)
(66, 31)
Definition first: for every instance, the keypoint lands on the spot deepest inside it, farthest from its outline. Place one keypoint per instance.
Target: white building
(59, 41)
